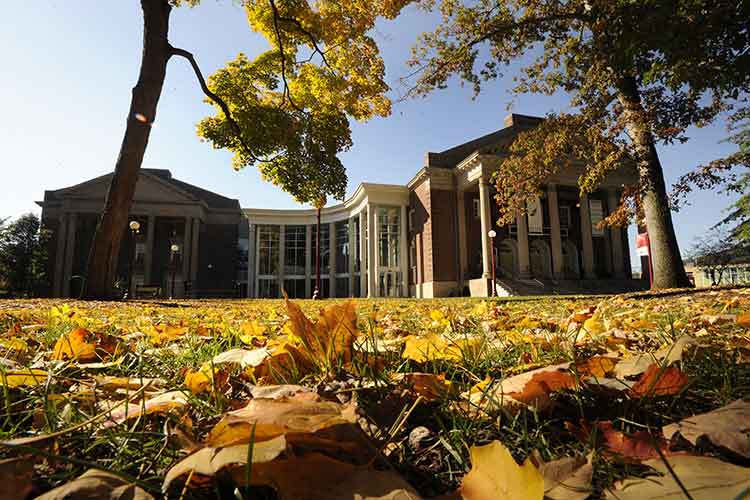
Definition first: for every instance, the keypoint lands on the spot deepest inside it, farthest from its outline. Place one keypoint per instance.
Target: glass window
(295, 288)
(325, 248)
(342, 249)
(564, 211)
(268, 250)
(388, 237)
(342, 287)
(413, 259)
(243, 250)
(475, 206)
(268, 288)
(294, 250)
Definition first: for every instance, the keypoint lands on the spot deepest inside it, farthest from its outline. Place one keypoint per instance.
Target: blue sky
(70, 66)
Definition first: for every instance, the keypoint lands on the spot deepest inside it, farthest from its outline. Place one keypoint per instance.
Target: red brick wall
(444, 235)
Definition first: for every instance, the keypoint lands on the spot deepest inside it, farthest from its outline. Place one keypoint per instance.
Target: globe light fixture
(491, 233)
(175, 248)
(134, 226)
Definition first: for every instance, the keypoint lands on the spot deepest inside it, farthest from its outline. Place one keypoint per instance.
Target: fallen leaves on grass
(702, 477)
(495, 474)
(727, 427)
(96, 483)
(659, 381)
(23, 377)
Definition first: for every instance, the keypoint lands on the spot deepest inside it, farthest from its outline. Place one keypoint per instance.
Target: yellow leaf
(594, 326)
(495, 475)
(743, 320)
(14, 344)
(251, 331)
(198, 382)
(75, 346)
(26, 377)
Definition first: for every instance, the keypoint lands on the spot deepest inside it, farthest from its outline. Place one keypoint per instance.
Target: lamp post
(491, 233)
(174, 249)
(134, 227)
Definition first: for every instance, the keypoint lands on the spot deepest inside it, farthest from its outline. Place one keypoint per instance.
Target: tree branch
(286, 92)
(176, 51)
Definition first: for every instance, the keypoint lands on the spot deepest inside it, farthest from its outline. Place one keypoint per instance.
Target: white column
(362, 253)
(615, 234)
(57, 289)
(308, 261)
(586, 238)
(463, 263)
(332, 259)
(486, 222)
(555, 237)
(280, 274)
(371, 253)
(404, 253)
(352, 240)
(251, 251)
(524, 269)
(70, 253)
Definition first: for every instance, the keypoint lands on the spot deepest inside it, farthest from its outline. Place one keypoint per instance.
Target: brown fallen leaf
(16, 477)
(84, 346)
(743, 320)
(532, 388)
(659, 381)
(495, 475)
(329, 341)
(428, 385)
(302, 413)
(160, 403)
(705, 478)
(567, 478)
(727, 427)
(596, 366)
(640, 445)
(96, 483)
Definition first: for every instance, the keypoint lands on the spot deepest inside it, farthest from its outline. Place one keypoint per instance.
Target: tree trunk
(105, 249)
(667, 267)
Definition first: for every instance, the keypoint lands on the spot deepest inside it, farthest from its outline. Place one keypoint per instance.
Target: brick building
(426, 239)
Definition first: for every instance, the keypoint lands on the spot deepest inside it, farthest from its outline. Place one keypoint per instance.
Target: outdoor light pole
(174, 249)
(492, 235)
(134, 227)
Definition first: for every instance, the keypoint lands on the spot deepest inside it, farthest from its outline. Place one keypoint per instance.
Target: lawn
(562, 397)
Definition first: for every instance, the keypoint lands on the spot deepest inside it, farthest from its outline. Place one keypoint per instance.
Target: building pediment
(149, 189)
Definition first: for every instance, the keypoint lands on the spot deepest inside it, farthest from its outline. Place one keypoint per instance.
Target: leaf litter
(577, 397)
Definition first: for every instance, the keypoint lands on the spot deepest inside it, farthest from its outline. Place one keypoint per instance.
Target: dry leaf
(743, 320)
(23, 377)
(96, 483)
(658, 381)
(243, 357)
(301, 413)
(495, 475)
(428, 385)
(568, 478)
(161, 403)
(704, 477)
(728, 427)
(330, 341)
(596, 366)
(633, 447)
(16, 477)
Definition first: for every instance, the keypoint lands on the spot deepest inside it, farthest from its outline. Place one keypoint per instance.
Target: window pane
(268, 288)
(388, 237)
(325, 253)
(295, 288)
(268, 250)
(342, 287)
(294, 250)
(342, 248)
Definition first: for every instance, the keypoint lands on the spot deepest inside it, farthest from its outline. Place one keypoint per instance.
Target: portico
(363, 247)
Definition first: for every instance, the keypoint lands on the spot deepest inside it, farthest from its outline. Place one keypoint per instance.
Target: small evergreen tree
(23, 256)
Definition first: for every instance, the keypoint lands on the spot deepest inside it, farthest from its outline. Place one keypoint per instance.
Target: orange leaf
(659, 382)
(537, 390)
(596, 366)
(636, 446)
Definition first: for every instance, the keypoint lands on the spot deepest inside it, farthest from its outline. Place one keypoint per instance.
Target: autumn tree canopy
(639, 73)
(293, 102)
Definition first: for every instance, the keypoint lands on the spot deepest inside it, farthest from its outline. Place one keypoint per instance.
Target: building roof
(514, 123)
(213, 200)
